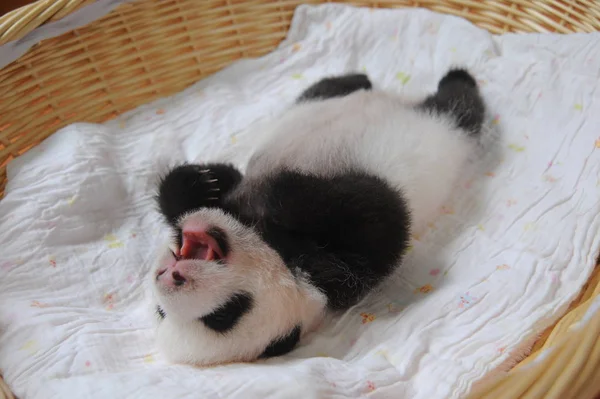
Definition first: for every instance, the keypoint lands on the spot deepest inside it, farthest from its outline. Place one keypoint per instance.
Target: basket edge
(17, 23)
(566, 343)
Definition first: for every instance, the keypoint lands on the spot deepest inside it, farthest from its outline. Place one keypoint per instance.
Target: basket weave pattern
(149, 49)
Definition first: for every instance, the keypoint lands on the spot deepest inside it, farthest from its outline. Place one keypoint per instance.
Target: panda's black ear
(337, 86)
(193, 186)
(282, 345)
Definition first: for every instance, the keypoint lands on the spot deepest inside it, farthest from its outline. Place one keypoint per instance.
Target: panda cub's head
(223, 295)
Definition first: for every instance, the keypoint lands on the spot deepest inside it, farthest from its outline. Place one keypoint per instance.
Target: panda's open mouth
(201, 245)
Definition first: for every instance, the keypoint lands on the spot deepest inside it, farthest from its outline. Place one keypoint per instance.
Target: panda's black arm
(346, 232)
(192, 186)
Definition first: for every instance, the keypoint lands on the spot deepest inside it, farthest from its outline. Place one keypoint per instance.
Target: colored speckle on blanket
(37, 304)
(109, 301)
(597, 143)
(480, 227)
(7, 265)
(30, 346)
(71, 200)
(148, 359)
(503, 267)
(367, 317)
(297, 76)
(233, 139)
(466, 301)
(496, 119)
(529, 226)
(113, 241)
(427, 288)
(296, 47)
(550, 178)
(578, 107)
(160, 111)
(394, 308)
(490, 174)
(510, 202)
(52, 261)
(434, 272)
(516, 147)
(446, 210)
(88, 363)
(382, 353)
(370, 386)
(403, 77)
(122, 124)
(433, 28)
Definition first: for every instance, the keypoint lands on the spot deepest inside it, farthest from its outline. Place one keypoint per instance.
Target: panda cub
(320, 217)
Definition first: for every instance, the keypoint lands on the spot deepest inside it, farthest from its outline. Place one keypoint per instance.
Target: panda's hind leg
(336, 86)
(458, 97)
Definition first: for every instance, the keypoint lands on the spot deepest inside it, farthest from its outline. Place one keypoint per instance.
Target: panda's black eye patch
(225, 318)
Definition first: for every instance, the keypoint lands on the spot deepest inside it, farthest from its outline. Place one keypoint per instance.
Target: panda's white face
(226, 296)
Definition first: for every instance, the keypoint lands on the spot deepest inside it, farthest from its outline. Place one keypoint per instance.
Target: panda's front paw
(189, 187)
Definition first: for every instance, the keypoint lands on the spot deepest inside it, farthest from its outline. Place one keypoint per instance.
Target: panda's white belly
(372, 131)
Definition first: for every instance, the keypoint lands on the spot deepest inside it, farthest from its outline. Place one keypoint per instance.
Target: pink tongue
(198, 246)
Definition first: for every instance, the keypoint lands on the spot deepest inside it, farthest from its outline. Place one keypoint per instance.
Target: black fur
(188, 187)
(458, 96)
(346, 232)
(282, 345)
(225, 317)
(160, 312)
(337, 86)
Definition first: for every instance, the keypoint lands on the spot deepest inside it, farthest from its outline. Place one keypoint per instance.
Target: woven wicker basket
(149, 49)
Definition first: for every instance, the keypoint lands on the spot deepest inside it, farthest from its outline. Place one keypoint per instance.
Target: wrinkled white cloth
(512, 248)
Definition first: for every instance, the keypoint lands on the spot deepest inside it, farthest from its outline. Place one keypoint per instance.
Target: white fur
(418, 153)
(281, 301)
(375, 131)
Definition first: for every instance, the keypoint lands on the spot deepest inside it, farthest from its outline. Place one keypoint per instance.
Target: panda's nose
(178, 279)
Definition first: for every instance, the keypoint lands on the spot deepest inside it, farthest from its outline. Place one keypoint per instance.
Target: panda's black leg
(458, 96)
(337, 86)
(192, 186)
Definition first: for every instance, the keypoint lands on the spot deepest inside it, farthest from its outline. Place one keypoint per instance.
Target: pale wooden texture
(17, 23)
(150, 49)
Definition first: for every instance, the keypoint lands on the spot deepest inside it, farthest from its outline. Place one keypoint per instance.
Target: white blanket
(513, 247)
